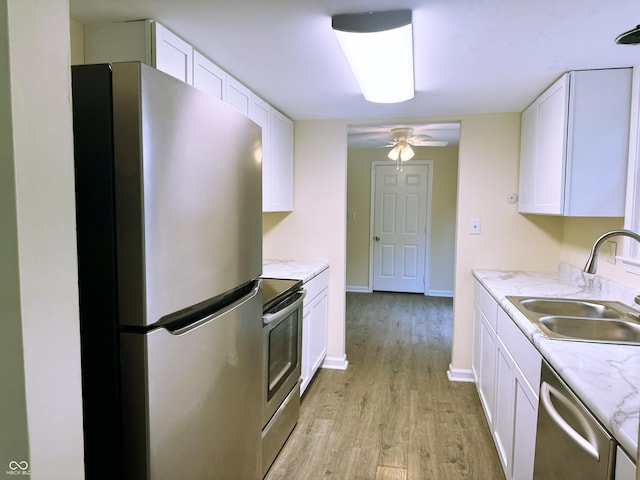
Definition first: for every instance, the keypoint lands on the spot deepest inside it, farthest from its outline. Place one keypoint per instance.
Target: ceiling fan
(403, 140)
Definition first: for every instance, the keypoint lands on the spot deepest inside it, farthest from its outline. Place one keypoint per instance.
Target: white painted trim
(631, 250)
(460, 374)
(427, 237)
(440, 293)
(359, 289)
(335, 363)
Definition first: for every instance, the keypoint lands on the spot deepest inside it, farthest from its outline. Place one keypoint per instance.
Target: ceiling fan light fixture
(401, 152)
(406, 153)
(379, 49)
(394, 153)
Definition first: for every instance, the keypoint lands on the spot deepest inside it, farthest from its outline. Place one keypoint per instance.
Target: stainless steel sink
(568, 307)
(581, 320)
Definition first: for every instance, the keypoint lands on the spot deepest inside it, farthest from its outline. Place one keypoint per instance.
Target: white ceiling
(471, 56)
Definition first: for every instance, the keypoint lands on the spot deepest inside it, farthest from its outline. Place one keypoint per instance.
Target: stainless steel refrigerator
(169, 222)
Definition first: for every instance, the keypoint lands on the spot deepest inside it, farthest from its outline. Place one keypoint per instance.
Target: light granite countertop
(606, 377)
(292, 269)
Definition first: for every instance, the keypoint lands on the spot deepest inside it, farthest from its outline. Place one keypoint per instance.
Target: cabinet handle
(377, 238)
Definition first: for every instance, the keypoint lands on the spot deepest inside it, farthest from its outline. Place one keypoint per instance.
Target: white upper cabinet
(208, 77)
(279, 182)
(259, 112)
(277, 156)
(238, 96)
(141, 40)
(574, 146)
(149, 42)
(173, 55)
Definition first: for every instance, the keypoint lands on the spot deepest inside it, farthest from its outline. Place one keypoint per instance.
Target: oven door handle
(268, 318)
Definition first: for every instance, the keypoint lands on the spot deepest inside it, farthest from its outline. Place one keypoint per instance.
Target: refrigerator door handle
(208, 318)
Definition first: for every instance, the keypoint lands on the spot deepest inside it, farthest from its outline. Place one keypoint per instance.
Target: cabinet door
(238, 96)
(625, 468)
(549, 172)
(477, 344)
(528, 154)
(208, 77)
(599, 129)
(173, 55)
(504, 407)
(525, 417)
(486, 384)
(281, 163)
(260, 112)
(306, 361)
(318, 340)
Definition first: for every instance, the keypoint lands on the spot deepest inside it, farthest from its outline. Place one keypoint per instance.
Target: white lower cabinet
(507, 372)
(484, 346)
(625, 467)
(524, 428)
(314, 326)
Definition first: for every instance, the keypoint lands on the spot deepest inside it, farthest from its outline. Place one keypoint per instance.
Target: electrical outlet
(474, 227)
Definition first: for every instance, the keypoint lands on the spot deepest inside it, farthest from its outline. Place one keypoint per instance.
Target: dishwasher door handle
(546, 391)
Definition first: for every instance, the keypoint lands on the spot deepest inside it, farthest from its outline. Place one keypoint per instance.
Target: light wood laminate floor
(393, 414)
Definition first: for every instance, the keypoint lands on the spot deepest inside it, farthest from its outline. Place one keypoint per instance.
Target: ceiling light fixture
(401, 151)
(379, 49)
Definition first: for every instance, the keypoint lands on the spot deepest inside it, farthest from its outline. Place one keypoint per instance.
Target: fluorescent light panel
(379, 49)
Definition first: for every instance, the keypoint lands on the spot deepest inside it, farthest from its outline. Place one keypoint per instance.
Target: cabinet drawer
(316, 285)
(527, 357)
(487, 304)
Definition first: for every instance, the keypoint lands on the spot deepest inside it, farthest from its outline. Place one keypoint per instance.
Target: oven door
(282, 332)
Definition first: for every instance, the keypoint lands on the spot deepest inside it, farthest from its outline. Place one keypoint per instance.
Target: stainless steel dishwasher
(570, 442)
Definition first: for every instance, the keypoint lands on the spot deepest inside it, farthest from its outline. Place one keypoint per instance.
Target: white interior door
(399, 227)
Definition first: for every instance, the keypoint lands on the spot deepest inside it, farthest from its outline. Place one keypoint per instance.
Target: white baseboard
(358, 289)
(460, 374)
(440, 293)
(335, 363)
(430, 293)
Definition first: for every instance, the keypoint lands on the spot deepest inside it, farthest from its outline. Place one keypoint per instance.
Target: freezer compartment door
(188, 186)
(192, 401)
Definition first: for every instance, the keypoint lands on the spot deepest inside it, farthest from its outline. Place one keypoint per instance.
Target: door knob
(377, 238)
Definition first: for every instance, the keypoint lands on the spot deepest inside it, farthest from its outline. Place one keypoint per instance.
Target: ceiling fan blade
(430, 143)
(420, 137)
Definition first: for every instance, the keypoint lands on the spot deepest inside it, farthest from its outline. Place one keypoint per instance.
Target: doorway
(400, 226)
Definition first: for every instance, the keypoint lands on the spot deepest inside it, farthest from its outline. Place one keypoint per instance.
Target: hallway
(393, 414)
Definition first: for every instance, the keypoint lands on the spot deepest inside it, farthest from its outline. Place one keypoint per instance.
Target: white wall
(40, 213)
(443, 215)
(316, 229)
(488, 172)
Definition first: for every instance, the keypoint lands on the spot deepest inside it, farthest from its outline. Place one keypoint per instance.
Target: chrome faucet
(592, 262)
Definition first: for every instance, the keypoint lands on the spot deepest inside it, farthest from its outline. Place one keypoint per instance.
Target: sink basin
(602, 321)
(569, 308)
(593, 329)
